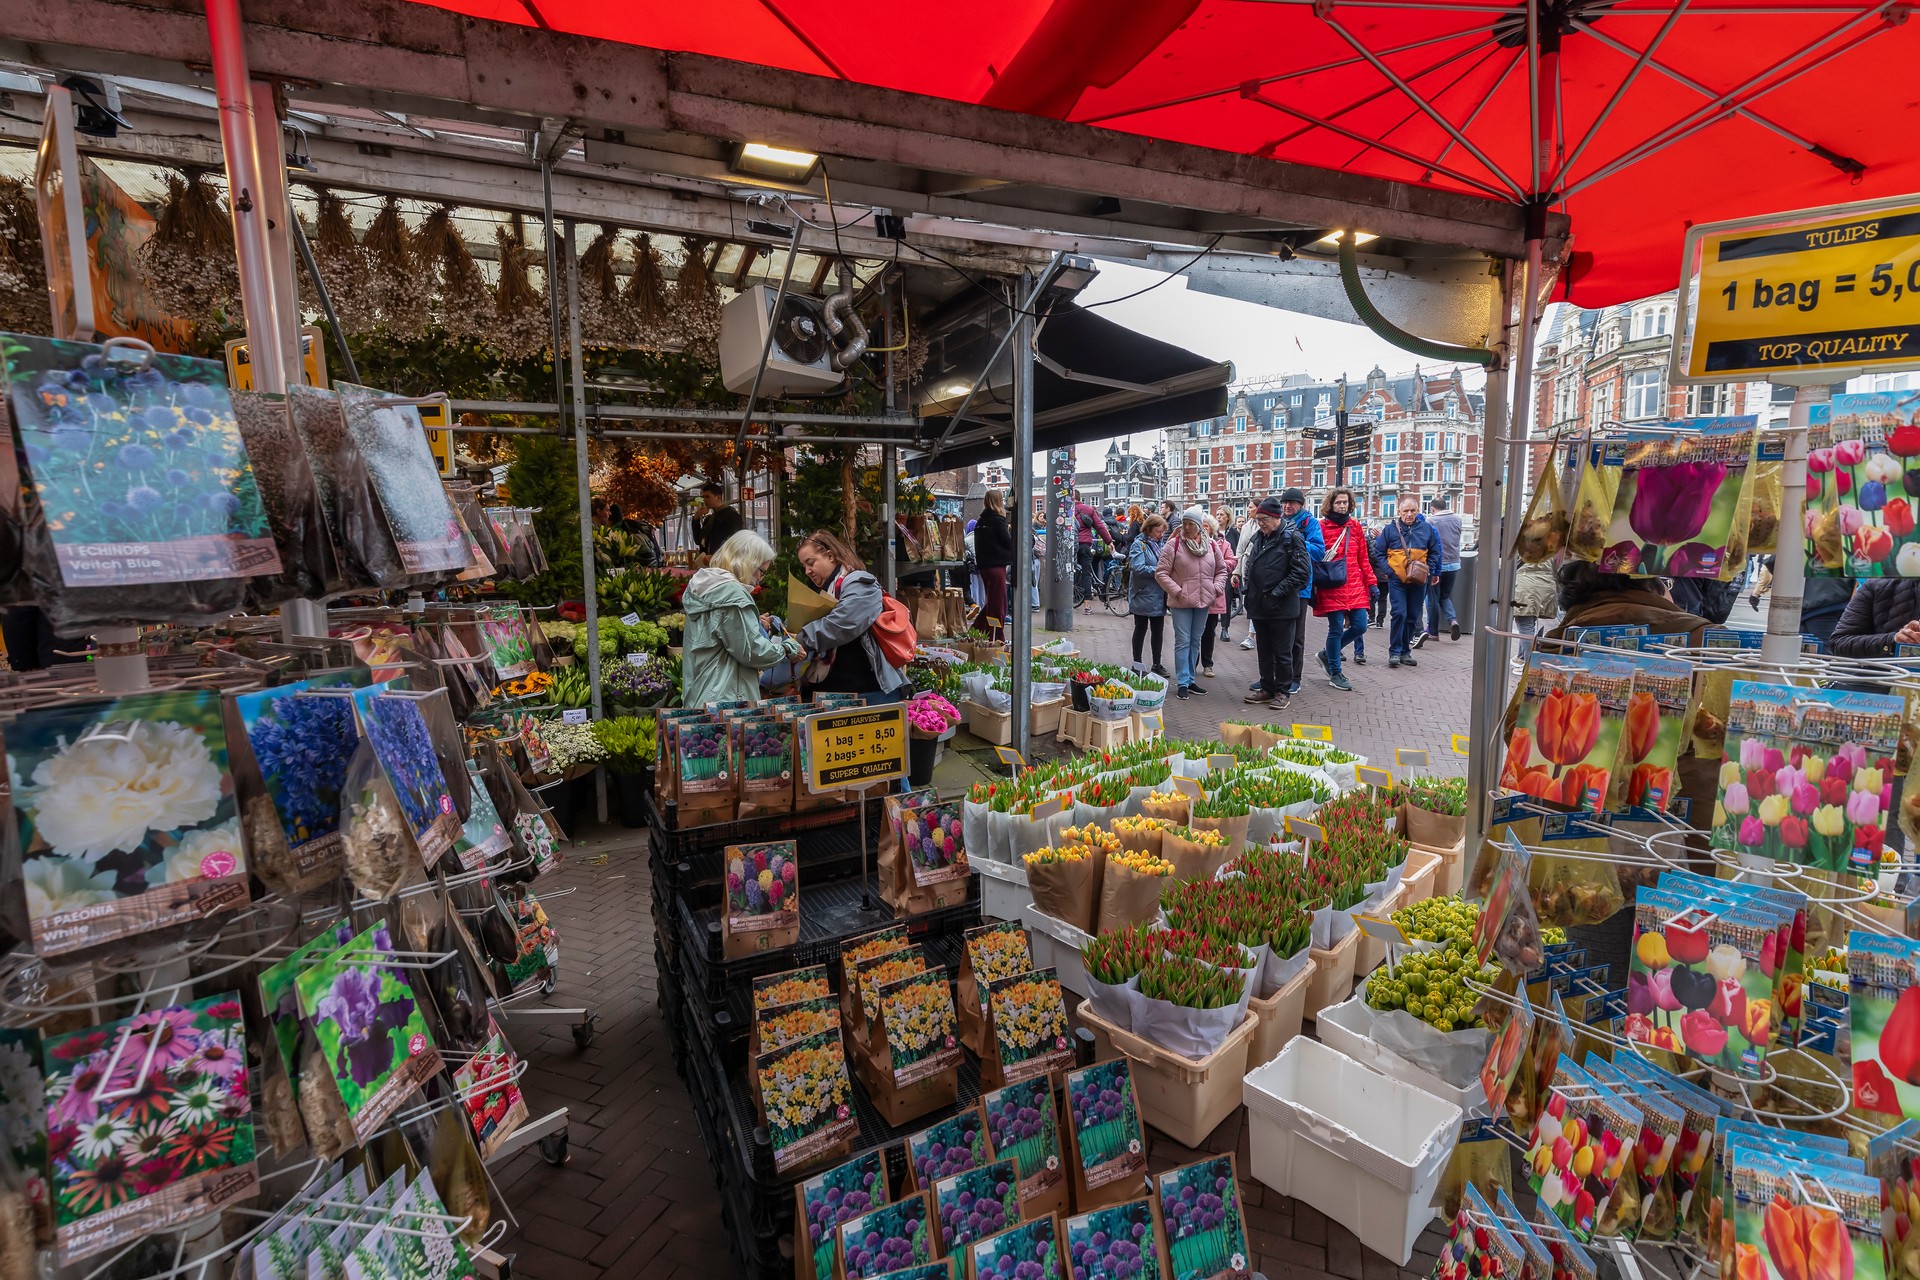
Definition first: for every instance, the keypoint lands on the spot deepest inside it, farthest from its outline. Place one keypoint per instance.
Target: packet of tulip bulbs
(952, 1146)
(1023, 1125)
(1700, 981)
(1570, 890)
(1507, 928)
(1570, 1260)
(1642, 1205)
(1893, 1158)
(1860, 511)
(1579, 1147)
(763, 898)
(1700, 1112)
(1884, 1016)
(1682, 500)
(1808, 775)
(826, 1200)
(1790, 1223)
(976, 1203)
(1539, 1258)
(1505, 1052)
(1644, 776)
(1565, 742)
(807, 1099)
(889, 1238)
(1479, 1246)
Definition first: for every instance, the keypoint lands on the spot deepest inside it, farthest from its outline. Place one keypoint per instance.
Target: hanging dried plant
(696, 302)
(647, 298)
(462, 303)
(908, 365)
(188, 261)
(604, 318)
(522, 326)
(398, 292)
(342, 262)
(24, 307)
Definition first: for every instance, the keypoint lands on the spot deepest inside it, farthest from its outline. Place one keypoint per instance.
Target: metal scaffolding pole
(245, 192)
(580, 466)
(1020, 512)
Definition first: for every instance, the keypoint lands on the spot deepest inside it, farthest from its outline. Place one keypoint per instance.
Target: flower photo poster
(149, 1124)
(126, 815)
(370, 1028)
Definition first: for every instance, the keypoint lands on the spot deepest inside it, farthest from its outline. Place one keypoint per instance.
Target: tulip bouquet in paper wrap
(1808, 776)
(1673, 505)
(1566, 736)
(1863, 484)
(1065, 882)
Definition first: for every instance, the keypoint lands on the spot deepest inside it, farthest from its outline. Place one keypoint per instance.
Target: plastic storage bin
(1044, 717)
(1332, 974)
(988, 725)
(1280, 1017)
(1452, 868)
(1348, 1027)
(1420, 877)
(1365, 1150)
(1003, 889)
(1184, 1098)
(1056, 944)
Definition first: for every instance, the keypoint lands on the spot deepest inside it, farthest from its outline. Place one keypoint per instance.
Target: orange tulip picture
(1568, 725)
(1643, 726)
(1519, 752)
(1650, 785)
(1576, 782)
(1806, 1242)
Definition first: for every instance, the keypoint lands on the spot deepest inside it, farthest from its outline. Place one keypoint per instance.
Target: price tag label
(636, 659)
(1410, 757)
(1219, 763)
(629, 619)
(1384, 930)
(1152, 722)
(1461, 744)
(1301, 829)
(855, 747)
(1189, 787)
(1011, 758)
(1373, 777)
(574, 715)
(1317, 732)
(1048, 808)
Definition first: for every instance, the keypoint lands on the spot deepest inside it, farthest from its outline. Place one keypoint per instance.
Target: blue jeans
(1344, 625)
(1187, 627)
(1409, 615)
(1440, 599)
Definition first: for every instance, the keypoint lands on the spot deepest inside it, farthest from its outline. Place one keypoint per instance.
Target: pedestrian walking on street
(1293, 504)
(1346, 583)
(1146, 600)
(993, 555)
(1249, 530)
(1412, 550)
(1447, 526)
(1217, 611)
(1193, 574)
(1274, 567)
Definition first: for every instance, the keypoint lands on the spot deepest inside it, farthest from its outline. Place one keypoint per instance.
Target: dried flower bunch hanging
(696, 302)
(189, 261)
(342, 261)
(522, 325)
(604, 318)
(462, 302)
(647, 298)
(398, 294)
(23, 271)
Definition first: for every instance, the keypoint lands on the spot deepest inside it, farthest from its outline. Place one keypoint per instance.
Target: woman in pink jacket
(1193, 573)
(1217, 611)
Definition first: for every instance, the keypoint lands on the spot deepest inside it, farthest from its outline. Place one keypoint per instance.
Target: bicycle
(1109, 586)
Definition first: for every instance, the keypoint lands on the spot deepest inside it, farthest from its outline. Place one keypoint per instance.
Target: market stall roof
(1093, 379)
(1656, 115)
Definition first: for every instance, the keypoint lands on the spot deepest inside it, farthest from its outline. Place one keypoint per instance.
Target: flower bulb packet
(1507, 928)
(976, 1204)
(1789, 952)
(1700, 979)
(1567, 730)
(1104, 1118)
(1860, 512)
(1793, 1223)
(763, 888)
(764, 747)
(917, 1019)
(503, 632)
(1681, 502)
(951, 1146)
(783, 1025)
(1778, 1145)
(1028, 1251)
(776, 990)
(930, 832)
(397, 730)
(126, 815)
(301, 741)
(992, 951)
(1808, 776)
(281, 1000)
(831, 1198)
(1479, 1245)
(1893, 1158)
(1700, 1113)
(1023, 1125)
(483, 836)
(871, 974)
(807, 1098)
(1539, 1258)
(490, 1093)
(1570, 1260)
(149, 1124)
(1883, 976)
(1028, 1017)
(370, 1028)
(1643, 1203)
(1202, 1221)
(1119, 1242)
(892, 1237)
(1579, 1147)
(393, 442)
(1646, 774)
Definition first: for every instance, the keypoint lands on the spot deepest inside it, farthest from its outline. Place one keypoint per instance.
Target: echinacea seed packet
(1119, 1242)
(829, 1199)
(1567, 730)
(1202, 1222)
(951, 1146)
(890, 1238)
(807, 1098)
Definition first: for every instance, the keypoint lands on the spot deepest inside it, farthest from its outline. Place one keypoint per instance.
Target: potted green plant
(629, 745)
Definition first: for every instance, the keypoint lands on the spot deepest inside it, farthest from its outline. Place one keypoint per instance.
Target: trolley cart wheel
(553, 1148)
(583, 1032)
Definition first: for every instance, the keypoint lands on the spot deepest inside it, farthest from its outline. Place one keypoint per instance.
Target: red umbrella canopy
(1655, 115)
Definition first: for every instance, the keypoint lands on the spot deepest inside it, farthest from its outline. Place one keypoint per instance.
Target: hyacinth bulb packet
(1105, 1116)
(1571, 1261)
(1883, 977)
(1643, 1202)
(1202, 1221)
(1115, 1243)
(1808, 776)
(763, 887)
(1479, 1246)
(831, 1198)
(892, 1237)
(1023, 1125)
(1860, 510)
(1654, 729)
(1681, 500)
(952, 1146)
(1566, 737)
(1539, 1259)
(807, 1097)
(1580, 1147)
(922, 1032)
(930, 831)
(1799, 1221)
(976, 1204)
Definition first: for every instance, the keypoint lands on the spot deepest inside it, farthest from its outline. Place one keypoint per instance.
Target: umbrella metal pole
(1019, 620)
(1782, 643)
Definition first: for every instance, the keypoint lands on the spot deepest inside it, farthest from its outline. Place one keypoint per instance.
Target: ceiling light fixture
(763, 160)
(956, 389)
(1332, 238)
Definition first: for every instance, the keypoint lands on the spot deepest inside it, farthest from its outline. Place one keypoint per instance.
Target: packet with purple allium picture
(1201, 1220)
(826, 1200)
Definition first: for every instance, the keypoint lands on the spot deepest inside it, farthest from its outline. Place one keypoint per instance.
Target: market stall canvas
(370, 1028)
(807, 1098)
(1566, 735)
(149, 1123)
(126, 816)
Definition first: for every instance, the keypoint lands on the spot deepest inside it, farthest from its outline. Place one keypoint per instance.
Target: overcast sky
(1261, 341)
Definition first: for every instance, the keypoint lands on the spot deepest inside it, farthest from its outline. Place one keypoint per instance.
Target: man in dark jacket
(1273, 569)
(721, 522)
(1883, 614)
(1405, 543)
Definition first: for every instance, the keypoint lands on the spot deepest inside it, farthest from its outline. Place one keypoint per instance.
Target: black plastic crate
(822, 854)
(675, 843)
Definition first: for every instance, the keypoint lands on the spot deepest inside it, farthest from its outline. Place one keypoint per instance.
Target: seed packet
(1655, 727)
(483, 836)
(1644, 1202)
(765, 750)
(149, 1124)
(1023, 1125)
(1565, 742)
(1504, 1053)
(490, 1093)
(503, 630)
(952, 1146)
(916, 1015)
(302, 746)
(1570, 1261)
(1792, 1223)
(776, 990)
(1859, 502)
(1030, 1251)
(1200, 1219)
(1507, 928)
(1120, 1242)
(807, 1098)
(126, 815)
(1028, 1019)
(1701, 981)
(1538, 1258)
(1479, 1245)
(1579, 1148)
(763, 898)
(427, 1249)
(371, 1031)
(397, 730)
(1682, 502)
(1884, 1004)
(829, 1199)
(976, 1203)
(1893, 1158)
(393, 443)
(891, 1237)
(1104, 1124)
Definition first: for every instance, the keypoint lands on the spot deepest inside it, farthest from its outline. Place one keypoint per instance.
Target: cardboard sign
(1048, 808)
(1317, 732)
(1301, 829)
(574, 715)
(1153, 722)
(1410, 757)
(1219, 764)
(1383, 929)
(855, 747)
(1373, 777)
(630, 620)
(1189, 787)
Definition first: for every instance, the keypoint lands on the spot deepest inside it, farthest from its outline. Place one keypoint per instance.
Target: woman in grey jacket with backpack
(847, 657)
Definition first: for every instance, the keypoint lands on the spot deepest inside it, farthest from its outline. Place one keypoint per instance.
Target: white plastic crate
(1056, 944)
(1348, 1028)
(1003, 889)
(1365, 1150)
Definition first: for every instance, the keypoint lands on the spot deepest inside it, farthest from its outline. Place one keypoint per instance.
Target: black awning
(1095, 379)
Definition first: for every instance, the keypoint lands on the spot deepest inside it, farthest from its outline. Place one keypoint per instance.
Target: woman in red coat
(1345, 606)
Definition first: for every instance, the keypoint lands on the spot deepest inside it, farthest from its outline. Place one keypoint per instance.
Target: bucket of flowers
(931, 720)
(1080, 685)
(1110, 700)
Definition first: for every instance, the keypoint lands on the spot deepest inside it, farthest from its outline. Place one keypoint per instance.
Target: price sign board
(1409, 757)
(857, 746)
(1316, 732)
(313, 363)
(435, 417)
(1011, 758)
(1460, 743)
(1823, 293)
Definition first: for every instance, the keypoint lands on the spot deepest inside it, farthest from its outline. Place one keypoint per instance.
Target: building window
(1453, 442)
(1446, 472)
(1200, 486)
(1709, 401)
(1386, 506)
(1323, 407)
(1431, 441)
(1645, 395)
(1206, 457)
(1600, 409)
(1319, 477)
(1390, 474)
(1356, 475)
(1426, 473)
(1239, 422)
(1392, 442)
(1652, 321)
(1239, 453)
